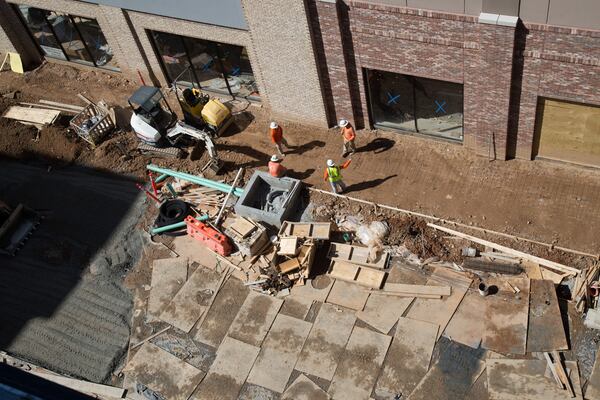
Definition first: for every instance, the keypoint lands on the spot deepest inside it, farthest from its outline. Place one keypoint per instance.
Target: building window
(409, 103)
(211, 66)
(68, 37)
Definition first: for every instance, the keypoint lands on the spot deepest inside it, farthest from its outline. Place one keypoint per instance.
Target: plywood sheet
(382, 312)
(349, 295)
(228, 372)
(304, 389)
(325, 344)
(187, 247)
(546, 331)
(357, 372)
(38, 116)
(357, 255)
(467, 324)
(370, 278)
(506, 316)
(192, 300)
(418, 289)
(440, 311)
(408, 358)
(523, 380)
(163, 372)
(223, 311)
(301, 298)
(343, 270)
(255, 318)
(168, 276)
(279, 353)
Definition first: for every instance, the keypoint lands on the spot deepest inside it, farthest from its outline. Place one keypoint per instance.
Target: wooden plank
(506, 316)
(562, 374)
(522, 380)
(306, 230)
(347, 295)
(382, 312)
(289, 265)
(358, 369)
(304, 389)
(552, 276)
(439, 312)
(467, 324)
(325, 344)
(255, 318)
(62, 105)
(418, 289)
(192, 300)
(168, 276)
(243, 227)
(288, 246)
(507, 250)
(408, 358)
(163, 372)
(532, 269)
(553, 371)
(356, 255)
(343, 270)
(546, 331)
(279, 353)
(33, 115)
(370, 278)
(82, 386)
(228, 372)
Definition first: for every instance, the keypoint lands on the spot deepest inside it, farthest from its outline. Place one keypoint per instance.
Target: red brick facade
(503, 69)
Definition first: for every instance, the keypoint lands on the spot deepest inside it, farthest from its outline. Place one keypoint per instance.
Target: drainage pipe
(223, 187)
(177, 225)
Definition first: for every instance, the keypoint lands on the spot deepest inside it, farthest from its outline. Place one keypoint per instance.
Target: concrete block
(507, 20)
(486, 18)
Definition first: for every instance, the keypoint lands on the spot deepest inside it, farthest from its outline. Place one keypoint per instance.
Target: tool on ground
(156, 125)
(16, 226)
(208, 236)
(148, 193)
(235, 181)
(152, 183)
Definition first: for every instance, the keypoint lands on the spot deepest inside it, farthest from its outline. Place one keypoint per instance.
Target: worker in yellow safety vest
(333, 173)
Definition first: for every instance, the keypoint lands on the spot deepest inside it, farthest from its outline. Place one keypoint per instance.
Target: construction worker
(349, 135)
(277, 137)
(275, 168)
(334, 175)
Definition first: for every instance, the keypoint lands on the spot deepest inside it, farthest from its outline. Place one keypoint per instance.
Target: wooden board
(359, 367)
(103, 391)
(243, 227)
(370, 278)
(288, 246)
(304, 389)
(325, 344)
(532, 269)
(524, 380)
(356, 255)
(418, 289)
(228, 372)
(255, 318)
(408, 358)
(552, 276)
(279, 353)
(289, 265)
(343, 270)
(546, 331)
(593, 388)
(187, 247)
(467, 324)
(348, 295)
(192, 300)
(301, 298)
(168, 276)
(382, 312)
(37, 116)
(440, 312)
(506, 316)
(221, 314)
(163, 372)
(306, 230)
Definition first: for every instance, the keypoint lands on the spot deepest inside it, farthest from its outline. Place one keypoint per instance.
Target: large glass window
(68, 37)
(410, 103)
(211, 66)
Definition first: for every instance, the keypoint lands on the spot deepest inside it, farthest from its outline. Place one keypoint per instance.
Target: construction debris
(94, 123)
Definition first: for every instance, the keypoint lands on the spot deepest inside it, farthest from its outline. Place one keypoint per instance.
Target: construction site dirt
(92, 256)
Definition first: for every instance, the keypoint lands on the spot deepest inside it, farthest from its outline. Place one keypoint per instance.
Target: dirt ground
(554, 203)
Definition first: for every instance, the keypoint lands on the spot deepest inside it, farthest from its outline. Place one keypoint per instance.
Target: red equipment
(208, 236)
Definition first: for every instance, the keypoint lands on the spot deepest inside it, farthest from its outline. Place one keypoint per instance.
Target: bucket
(469, 252)
(483, 289)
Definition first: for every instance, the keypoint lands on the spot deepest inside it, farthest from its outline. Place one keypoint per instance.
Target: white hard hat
(274, 158)
(330, 163)
(274, 125)
(343, 122)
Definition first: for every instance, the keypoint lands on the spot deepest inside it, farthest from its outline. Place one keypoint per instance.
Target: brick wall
(14, 37)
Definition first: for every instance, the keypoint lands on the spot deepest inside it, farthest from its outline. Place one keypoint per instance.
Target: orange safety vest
(276, 169)
(276, 134)
(348, 133)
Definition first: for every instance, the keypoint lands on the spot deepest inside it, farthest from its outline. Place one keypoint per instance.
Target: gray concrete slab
(255, 318)
(357, 372)
(326, 342)
(304, 389)
(349, 295)
(301, 298)
(168, 276)
(279, 353)
(382, 312)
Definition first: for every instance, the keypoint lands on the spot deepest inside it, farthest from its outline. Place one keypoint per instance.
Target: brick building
(506, 78)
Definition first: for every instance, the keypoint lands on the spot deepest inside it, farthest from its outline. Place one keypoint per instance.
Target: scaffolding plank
(37, 116)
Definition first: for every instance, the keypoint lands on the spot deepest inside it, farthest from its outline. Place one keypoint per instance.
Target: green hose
(223, 187)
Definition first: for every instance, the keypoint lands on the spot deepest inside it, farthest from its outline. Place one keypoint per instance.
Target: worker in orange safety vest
(349, 135)
(275, 168)
(334, 175)
(277, 137)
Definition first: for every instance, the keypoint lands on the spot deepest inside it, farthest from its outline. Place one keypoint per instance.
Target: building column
(15, 38)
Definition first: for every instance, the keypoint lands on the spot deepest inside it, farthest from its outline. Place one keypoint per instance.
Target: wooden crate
(92, 124)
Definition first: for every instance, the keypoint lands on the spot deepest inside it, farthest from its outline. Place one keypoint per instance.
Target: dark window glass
(439, 108)
(96, 43)
(207, 67)
(35, 19)
(69, 38)
(392, 104)
(173, 56)
(238, 71)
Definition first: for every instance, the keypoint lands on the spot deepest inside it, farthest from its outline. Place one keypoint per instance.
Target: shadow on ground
(377, 145)
(356, 187)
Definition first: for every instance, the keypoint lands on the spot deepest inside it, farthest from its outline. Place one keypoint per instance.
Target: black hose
(172, 212)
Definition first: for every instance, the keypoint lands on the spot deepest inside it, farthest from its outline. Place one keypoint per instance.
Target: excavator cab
(152, 116)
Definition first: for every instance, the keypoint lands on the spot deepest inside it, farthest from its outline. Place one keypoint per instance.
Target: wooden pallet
(356, 255)
(306, 230)
(361, 275)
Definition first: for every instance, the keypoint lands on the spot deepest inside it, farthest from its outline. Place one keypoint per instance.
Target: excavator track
(171, 152)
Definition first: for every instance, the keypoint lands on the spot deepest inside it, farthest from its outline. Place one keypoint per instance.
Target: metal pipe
(223, 187)
(237, 176)
(177, 225)
(161, 178)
